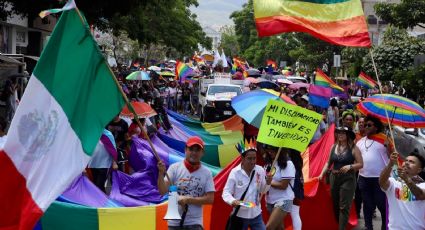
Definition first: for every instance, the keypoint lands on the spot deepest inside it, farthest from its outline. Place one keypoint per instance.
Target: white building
(377, 26)
(214, 35)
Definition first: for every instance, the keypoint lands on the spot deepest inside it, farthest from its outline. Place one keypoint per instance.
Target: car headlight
(211, 103)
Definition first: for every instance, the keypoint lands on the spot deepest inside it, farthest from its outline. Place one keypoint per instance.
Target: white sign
(337, 60)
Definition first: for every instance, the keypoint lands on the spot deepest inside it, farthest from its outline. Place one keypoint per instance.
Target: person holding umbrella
(375, 158)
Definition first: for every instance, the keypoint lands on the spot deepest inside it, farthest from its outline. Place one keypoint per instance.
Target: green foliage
(413, 80)
(406, 14)
(354, 57)
(396, 53)
(229, 42)
(159, 22)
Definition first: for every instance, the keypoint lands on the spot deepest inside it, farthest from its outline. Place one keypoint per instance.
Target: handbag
(234, 222)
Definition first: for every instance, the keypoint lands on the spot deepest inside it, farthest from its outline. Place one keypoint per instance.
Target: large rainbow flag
(340, 22)
(323, 80)
(220, 137)
(107, 214)
(366, 81)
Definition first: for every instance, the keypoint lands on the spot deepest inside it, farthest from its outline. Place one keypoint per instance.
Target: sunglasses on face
(369, 125)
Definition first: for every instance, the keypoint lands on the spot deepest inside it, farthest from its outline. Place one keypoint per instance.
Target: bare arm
(418, 192)
(384, 183)
(208, 198)
(358, 159)
(162, 183)
(326, 166)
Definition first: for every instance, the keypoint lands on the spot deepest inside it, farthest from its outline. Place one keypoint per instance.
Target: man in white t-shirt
(194, 183)
(406, 197)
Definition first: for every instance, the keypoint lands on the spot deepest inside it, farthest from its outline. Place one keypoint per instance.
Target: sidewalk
(376, 221)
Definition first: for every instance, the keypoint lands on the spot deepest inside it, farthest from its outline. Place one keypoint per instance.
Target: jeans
(256, 223)
(373, 197)
(186, 105)
(171, 103)
(187, 227)
(343, 187)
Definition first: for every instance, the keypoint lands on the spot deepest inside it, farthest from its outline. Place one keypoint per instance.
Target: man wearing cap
(194, 183)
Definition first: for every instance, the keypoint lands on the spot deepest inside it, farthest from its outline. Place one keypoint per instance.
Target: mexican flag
(70, 98)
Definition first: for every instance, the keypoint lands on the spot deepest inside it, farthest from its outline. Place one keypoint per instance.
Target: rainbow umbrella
(138, 75)
(401, 111)
(142, 109)
(250, 106)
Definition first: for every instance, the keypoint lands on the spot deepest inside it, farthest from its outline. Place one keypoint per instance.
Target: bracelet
(351, 167)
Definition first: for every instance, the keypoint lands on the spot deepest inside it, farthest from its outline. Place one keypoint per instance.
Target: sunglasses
(369, 125)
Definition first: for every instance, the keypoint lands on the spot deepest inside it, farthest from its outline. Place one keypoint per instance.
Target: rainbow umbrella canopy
(250, 106)
(138, 75)
(401, 111)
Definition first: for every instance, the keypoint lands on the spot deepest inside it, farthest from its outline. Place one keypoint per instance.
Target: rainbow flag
(340, 22)
(365, 81)
(323, 80)
(271, 63)
(182, 71)
(240, 63)
(199, 60)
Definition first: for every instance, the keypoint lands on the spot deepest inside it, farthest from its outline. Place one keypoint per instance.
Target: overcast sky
(215, 13)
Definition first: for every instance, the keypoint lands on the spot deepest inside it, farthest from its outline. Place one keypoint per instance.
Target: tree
(354, 56)
(396, 53)
(229, 43)
(406, 14)
(150, 22)
(412, 80)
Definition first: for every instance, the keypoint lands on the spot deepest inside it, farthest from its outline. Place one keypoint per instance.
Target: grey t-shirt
(195, 184)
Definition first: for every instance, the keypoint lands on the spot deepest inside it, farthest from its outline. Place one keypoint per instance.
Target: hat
(195, 140)
(305, 97)
(243, 147)
(348, 131)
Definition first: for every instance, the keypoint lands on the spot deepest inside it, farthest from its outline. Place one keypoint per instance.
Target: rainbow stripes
(366, 81)
(323, 80)
(182, 71)
(66, 216)
(340, 22)
(220, 137)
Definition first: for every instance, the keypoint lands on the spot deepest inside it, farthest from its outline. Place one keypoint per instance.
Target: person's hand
(345, 169)
(183, 200)
(161, 168)
(394, 158)
(235, 203)
(269, 178)
(402, 174)
(114, 165)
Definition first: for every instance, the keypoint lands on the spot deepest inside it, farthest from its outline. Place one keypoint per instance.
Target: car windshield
(224, 89)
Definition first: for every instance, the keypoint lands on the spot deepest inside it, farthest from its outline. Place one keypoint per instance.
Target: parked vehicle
(216, 101)
(409, 140)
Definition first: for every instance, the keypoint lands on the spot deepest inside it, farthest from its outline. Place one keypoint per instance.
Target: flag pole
(380, 90)
(131, 108)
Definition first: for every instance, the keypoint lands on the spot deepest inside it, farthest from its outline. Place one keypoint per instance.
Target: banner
(290, 126)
